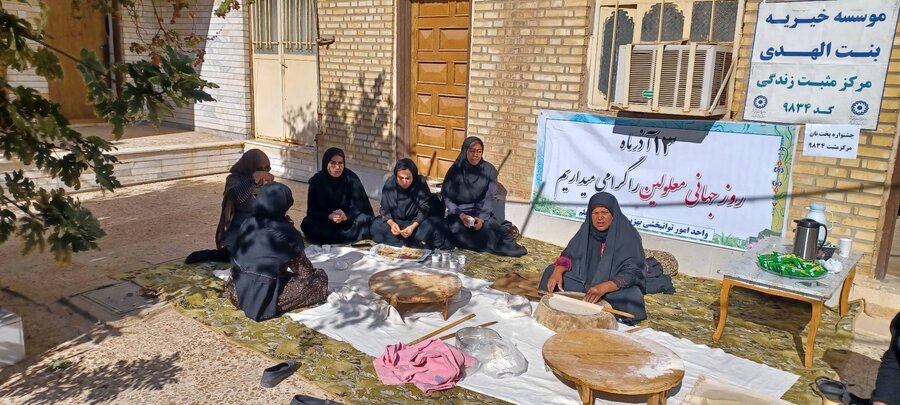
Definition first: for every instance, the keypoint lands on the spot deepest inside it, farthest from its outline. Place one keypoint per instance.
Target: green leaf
(46, 64)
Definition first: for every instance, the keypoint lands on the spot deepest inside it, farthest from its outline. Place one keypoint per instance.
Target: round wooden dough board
(612, 361)
(414, 287)
(559, 315)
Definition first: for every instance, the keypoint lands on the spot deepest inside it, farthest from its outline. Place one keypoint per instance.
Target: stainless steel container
(806, 238)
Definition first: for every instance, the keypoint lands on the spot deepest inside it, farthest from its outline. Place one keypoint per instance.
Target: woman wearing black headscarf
(270, 274)
(604, 260)
(338, 210)
(246, 176)
(405, 205)
(470, 192)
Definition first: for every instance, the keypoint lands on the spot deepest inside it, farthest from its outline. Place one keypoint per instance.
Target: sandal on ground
(275, 374)
(833, 390)
(308, 400)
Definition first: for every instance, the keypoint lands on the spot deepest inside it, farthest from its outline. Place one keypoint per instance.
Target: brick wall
(227, 64)
(32, 13)
(525, 56)
(854, 189)
(356, 79)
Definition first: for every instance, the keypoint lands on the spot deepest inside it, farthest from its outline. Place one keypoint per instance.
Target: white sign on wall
(821, 62)
(836, 141)
(714, 182)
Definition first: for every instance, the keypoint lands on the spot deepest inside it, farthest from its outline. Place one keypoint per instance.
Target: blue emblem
(760, 102)
(859, 107)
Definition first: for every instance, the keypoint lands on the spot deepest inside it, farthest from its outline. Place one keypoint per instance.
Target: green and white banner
(714, 182)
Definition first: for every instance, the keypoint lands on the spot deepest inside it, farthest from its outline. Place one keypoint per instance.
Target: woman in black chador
(470, 192)
(270, 274)
(338, 210)
(604, 260)
(244, 179)
(405, 207)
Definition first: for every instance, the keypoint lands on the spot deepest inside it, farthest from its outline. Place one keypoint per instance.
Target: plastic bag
(497, 357)
(512, 306)
(833, 265)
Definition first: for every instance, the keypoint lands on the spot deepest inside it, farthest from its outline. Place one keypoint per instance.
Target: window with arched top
(663, 22)
(670, 57)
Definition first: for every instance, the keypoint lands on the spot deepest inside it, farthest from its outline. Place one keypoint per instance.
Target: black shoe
(209, 255)
(275, 374)
(836, 391)
(308, 400)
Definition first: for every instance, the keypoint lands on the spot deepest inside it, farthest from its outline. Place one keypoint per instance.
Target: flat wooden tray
(415, 287)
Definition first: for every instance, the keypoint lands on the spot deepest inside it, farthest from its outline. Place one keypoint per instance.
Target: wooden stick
(435, 333)
(450, 335)
(610, 310)
(632, 330)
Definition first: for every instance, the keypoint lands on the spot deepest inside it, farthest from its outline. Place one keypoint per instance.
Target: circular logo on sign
(859, 107)
(760, 102)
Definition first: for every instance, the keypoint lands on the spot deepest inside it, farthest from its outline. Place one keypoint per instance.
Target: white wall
(32, 13)
(227, 64)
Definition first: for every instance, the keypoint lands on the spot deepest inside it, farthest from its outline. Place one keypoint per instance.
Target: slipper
(308, 400)
(833, 390)
(275, 374)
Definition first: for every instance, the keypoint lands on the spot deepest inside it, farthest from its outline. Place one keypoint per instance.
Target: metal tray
(793, 277)
(374, 252)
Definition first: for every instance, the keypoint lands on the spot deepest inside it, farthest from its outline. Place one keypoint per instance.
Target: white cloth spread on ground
(360, 322)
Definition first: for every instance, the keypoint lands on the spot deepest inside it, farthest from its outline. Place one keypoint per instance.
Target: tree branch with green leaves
(35, 132)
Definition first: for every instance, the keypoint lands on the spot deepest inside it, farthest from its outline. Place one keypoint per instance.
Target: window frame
(603, 9)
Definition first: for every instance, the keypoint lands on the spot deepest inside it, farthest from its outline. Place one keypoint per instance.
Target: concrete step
(882, 297)
(153, 158)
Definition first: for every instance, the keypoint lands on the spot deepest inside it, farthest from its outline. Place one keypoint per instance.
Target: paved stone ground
(162, 358)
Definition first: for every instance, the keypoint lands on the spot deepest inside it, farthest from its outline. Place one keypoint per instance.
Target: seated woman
(469, 192)
(270, 274)
(887, 384)
(247, 175)
(604, 260)
(405, 204)
(338, 210)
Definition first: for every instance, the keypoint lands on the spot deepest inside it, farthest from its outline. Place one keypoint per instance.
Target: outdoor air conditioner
(673, 79)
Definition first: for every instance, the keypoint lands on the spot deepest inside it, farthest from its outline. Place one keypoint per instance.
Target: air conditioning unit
(673, 79)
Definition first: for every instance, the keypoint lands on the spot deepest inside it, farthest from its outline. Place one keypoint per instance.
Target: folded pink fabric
(431, 365)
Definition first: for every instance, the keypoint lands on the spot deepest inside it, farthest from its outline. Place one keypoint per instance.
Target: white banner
(721, 183)
(821, 62)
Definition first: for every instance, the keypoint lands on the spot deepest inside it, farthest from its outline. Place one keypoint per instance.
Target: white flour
(657, 367)
(573, 306)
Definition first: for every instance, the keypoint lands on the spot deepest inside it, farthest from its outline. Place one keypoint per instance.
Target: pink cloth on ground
(431, 365)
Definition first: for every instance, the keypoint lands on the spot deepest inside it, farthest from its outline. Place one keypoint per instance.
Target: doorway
(439, 72)
(285, 70)
(72, 30)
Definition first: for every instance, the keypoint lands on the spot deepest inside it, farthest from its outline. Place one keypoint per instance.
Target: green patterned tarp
(762, 328)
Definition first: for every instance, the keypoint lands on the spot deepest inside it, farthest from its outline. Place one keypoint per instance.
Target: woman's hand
(261, 177)
(555, 280)
(408, 231)
(338, 216)
(464, 218)
(395, 229)
(596, 293)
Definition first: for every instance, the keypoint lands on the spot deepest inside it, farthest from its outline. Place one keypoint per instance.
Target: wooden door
(440, 71)
(70, 31)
